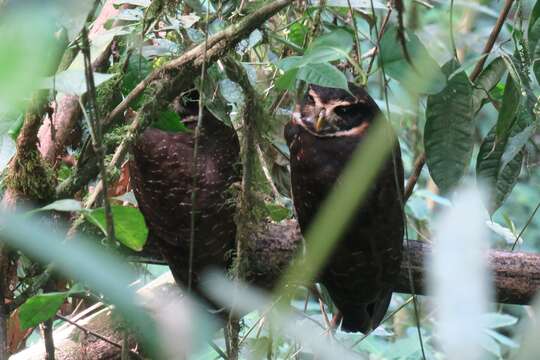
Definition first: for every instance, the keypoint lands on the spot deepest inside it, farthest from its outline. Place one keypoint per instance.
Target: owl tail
(364, 317)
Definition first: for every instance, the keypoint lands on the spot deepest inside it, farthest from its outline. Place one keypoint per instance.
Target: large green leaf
(62, 205)
(500, 177)
(297, 33)
(496, 320)
(73, 81)
(509, 108)
(533, 35)
(324, 75)
(488, 79)
(40, 307)
(289, 63)
(287, 80)
(313, 67)
(448, 134)
(27, 52)
(129, 226)
(330, 47)
(426, 77)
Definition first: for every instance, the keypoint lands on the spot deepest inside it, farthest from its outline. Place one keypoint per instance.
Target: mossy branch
(169, 81)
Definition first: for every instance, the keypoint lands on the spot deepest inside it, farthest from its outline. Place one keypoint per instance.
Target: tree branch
(170, 80)
(516, 275)
(492, 37)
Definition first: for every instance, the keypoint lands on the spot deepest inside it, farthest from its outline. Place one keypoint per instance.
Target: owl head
(331, 111)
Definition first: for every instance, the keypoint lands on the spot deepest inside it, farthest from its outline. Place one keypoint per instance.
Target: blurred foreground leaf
(84, 261)
(460, 328)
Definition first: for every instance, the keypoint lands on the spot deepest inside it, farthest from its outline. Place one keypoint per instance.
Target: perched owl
(361, 271)
(162, 178)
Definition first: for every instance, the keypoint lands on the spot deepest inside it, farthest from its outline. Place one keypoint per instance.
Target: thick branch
(492, 38)
(516, 275)
(175, 77)
(217, 45)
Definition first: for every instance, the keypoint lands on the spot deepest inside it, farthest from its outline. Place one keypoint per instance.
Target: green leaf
(339, 39)
(533, 32)
(20, 49)
(297, 33)
(169, 120)
(333, 46)
(425, 78)
(289, 63)
(39, 308)
(16, 127)
(323, 75)
(509, 107)
(497, 320)
(62, 205)
(129, 225)
(323, 54)
(517, 142)
(490, 345)
(73, 81)
(486, 81)
(287, 80)
(533, 35)
(505, 340)
(500, 179)
(278, 212)
(448, 134)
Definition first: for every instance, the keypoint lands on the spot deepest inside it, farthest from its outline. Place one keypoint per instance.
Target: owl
(162, 178)
(362, 269)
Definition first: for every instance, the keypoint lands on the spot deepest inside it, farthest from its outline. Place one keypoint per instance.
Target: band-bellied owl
(361, 271)
(161, 174)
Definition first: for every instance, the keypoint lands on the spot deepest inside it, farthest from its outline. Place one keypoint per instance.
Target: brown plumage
(361, 272)
(161, 174)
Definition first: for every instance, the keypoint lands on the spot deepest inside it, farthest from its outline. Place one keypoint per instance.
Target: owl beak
(321, 121)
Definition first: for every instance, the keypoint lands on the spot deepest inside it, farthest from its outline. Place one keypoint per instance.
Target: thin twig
(356, 36)
(94, 334)
(316, 24)
(267, 174)
(452, 40)
(411, 182)
(195, 159)
(383, 321)
(492, 37)
(218, 350)
(4, 310)
(529, 220)
(96, 126)
(379, 37)
(400, 7)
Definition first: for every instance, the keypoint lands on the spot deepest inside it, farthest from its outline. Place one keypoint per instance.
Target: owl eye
(345, 111)
(310, 100)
